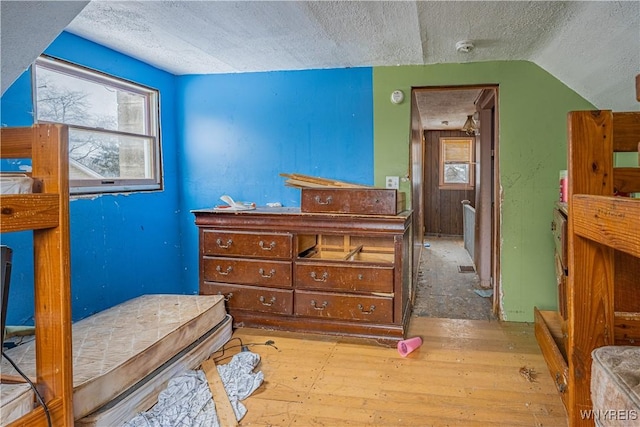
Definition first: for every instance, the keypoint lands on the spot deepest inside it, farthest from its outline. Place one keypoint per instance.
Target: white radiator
(468, 225)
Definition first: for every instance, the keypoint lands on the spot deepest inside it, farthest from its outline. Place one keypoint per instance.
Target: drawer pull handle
(323, 278)
(268, 304)
(371, 308)
(315, 305)
(360, 277)
(224, 273)
(327, 201)
(227, 297)
(266, 276)
(225, 245)
(267, 248)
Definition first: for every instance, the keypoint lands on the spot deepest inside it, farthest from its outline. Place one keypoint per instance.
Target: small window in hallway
(456, 163)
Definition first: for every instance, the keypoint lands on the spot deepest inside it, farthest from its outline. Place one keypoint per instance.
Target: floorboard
(466, 373)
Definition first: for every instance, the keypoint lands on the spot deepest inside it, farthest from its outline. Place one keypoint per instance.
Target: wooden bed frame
(603, 289)
(47, 214)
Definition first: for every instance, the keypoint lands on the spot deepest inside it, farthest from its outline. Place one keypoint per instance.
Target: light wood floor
(466, 373)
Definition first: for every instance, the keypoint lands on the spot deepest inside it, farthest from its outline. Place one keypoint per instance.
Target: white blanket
(187, 401)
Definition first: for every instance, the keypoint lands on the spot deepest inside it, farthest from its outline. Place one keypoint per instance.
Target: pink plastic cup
(407, 346)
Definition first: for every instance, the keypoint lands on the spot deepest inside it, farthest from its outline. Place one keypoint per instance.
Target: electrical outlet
(393, 182)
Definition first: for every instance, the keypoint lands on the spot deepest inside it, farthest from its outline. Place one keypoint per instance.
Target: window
(114, 143)
(456, 163)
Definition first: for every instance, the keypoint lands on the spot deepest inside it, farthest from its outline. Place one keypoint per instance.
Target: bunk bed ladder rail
(604, 245)
(47, 214)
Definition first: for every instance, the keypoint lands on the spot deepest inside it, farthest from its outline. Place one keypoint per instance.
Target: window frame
(151, 124)
(442, 185)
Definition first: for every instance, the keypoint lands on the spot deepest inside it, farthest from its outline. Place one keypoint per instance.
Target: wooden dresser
(559, 226)
(280, 268)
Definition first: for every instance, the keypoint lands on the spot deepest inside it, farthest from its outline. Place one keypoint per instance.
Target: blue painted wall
(221, 134)
(240, 131)
(122, 246)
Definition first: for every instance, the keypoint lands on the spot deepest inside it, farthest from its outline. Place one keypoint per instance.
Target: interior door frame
(488, 99)
(416, 168)
(487, 107)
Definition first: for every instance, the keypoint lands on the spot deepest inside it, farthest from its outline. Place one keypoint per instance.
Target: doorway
(456, 210)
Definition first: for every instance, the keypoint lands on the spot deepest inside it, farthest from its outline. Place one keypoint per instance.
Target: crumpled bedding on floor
(187, 402)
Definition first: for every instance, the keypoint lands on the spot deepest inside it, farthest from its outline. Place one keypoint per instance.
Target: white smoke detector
(464, 46)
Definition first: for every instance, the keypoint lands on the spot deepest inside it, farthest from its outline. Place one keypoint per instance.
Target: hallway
(445, 292)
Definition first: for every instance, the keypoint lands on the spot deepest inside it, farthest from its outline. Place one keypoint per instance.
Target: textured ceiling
(592, 47)
(446, 109)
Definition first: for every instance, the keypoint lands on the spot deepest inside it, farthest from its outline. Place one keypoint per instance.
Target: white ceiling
(593, 47)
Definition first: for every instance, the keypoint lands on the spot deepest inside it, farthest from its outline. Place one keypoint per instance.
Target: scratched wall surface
(223, 134)
(122, 246)
(533, 106)
(240, 131)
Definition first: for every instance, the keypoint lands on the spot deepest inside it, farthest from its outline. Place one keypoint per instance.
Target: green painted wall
(533, 106)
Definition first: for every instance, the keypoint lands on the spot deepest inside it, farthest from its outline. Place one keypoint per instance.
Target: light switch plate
(393, 182)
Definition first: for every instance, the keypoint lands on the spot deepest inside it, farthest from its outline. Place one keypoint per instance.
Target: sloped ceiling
(27, 28)
(592, 47)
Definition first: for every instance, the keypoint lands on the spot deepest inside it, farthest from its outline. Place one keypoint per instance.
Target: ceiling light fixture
(464, 46)
(469, 126)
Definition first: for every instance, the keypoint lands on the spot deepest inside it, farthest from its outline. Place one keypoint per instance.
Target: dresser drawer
(344, 306)
(252, 298)
(253, 245)
(355, 278)
(561, 280)
(559, 231)
(369, 201)
(247, 271)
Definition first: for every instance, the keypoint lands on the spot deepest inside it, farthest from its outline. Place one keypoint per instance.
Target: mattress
(143, 395)
(116, 348)
(15, 183)
(615, 386)
(17, 400)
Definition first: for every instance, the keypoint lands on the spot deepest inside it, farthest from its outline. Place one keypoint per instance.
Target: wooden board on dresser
(338, 274)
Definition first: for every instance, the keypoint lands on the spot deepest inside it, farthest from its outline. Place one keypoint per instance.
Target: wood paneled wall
(443, 208)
